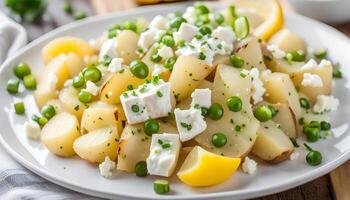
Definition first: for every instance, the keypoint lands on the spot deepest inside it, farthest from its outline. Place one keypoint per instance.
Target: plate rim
(244, 193)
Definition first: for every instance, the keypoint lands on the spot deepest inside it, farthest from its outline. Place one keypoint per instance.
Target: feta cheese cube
(165, 52)
(225, 34)
(258, 86)
(32, 129)
(186, 32)
(325, 104)
(159, 22)
(164, 153)
(190, 123)
(249, 165)
(158, 101)
(107, 167)
(147, 38)
(190, 15)
(134, 108)
(294, 156)
(108, 48)
(116, 65)
(157, 69)
(311, 64)
(201, 97)
(91, 88)
(312, 80)
(276, 51)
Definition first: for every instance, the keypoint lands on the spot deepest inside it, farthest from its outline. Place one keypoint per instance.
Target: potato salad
(194, 94)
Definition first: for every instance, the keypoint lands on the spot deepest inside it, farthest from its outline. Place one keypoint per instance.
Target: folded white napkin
(16, 182)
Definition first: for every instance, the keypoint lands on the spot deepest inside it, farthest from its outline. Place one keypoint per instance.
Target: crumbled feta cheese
(190, 123)
(93, 43)
(190, 15)
(32, 129)
(276, 52)
(157, 69)
(103, 69)
(311, 64)
(159, 34)
(116, 65)
(147, 38)
(107, 167)
(294, 156)
(186, 32)
(159, 22)
(325, 104)
(266, 73)
(249, 165)
(312, 80)
(201, 97)
(91, 88)
(165, 52)
(164, 153)
(258, 86)
(325, 63)
(147, 101)
(225, 34)
(108, 48)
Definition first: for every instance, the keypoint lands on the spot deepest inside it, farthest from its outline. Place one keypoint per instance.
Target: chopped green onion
(241, 26)
(42, 121)
(19, 108)
(48, 111)
(12, 86)
(141, 169)
(295, 56)
(236, 61)
(169, 63)
(161, 186)
(130, 25)
(156, 58)
(320, 53)
(304, 103)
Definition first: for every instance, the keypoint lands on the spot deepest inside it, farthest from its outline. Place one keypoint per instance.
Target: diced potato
(74, 63)
(43, 94)
(127, 45)
(134, 145)
(117, 84)
(65, 45)
(218, 59)
(147, 60)
(56, 104)
(288, 41)
(272, 144)
(96, 145)
(227, 83)
(280, 89)
(70, 102)
(59, 134)
(250, 51)
(100, 115)
(187, 73)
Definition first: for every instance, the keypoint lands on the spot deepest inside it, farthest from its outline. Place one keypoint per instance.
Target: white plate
(78, 175)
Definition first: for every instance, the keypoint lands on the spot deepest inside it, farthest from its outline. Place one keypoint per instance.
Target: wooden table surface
(335, 185)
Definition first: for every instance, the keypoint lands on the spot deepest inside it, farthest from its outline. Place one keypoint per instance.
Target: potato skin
(59, 134)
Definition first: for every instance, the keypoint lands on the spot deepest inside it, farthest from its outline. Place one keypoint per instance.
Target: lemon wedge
(203, 168)
(269, 11)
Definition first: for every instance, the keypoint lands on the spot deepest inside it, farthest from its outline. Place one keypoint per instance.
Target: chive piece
(241, 26)
(79, 14)
(19, 108)
(320, 53)
(12, 86)
(161, 186)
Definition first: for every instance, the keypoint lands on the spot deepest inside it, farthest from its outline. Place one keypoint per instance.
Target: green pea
(161, 186)
(205, 30)
(176, 22)
(79, 14)
(19, 108)
(234, 103)
(48, 111)
(219, 139)
(169, 63)
(78, 82)
(241, 25)
(29, 82)
(92, 74)
(21, 70)
(320, 53)
(139, 69)
(263, 113)
(215, 111)
(12, 86)
(201, 56)
(201, 9)
(204, 111)
(112, 33)
(202, 19)
(337, 73)
(130, 25)
(304, 103)
(156, 58)
(314, 158)
(35, 118)
(219, 18)
(274, 111)
(85, 97)
(312, 134)
(295, 56)
(236, 61)
(325, 126)
(168, 40)
(151, 126)
(141, 169)
(42, 121)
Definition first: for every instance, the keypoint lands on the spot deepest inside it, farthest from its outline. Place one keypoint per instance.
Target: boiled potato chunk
(286, 119)
(96, 145)
(187, 73)
(59, 134)
(134, 145)
(100, 115)
(280, 89)
(288, 41)
(127, 45)
(250, 51)
(227, 83)
(65, 45)
(272, 144)
(117, 84)
(70, 102)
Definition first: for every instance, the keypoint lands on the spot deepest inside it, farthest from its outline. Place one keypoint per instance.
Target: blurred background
(41, 16)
